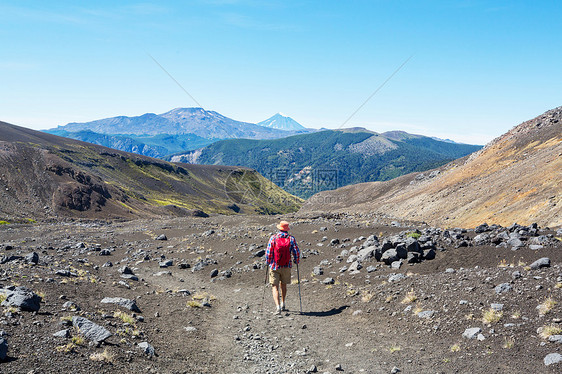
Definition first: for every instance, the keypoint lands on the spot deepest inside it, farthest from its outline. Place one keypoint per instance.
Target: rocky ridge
(515, 178)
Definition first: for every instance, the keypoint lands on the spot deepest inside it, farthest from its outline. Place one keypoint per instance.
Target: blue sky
(477, 69)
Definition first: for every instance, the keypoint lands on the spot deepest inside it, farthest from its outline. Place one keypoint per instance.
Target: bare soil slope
(43, 175)
(515, 178)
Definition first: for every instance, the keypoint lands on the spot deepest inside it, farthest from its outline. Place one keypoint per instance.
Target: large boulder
(3, 349)
(412, 245)
(540, 263)
(23, 298)
(365, 253)
(90, 330)
(390, 256)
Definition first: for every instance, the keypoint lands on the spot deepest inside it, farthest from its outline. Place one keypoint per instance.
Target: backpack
(282, 251)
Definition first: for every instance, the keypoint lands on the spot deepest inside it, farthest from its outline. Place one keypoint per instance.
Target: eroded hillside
(515, 178)
(43, 175)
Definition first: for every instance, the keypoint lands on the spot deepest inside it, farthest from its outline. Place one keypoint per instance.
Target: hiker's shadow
(328, 313)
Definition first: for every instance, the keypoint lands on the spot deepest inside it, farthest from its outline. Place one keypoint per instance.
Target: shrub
(194, 304)
(550, 330)
(78, 340)
(104, 356)
(491, 316)
(410, 297)
(413, 234)
(546, 306)
(67, 348)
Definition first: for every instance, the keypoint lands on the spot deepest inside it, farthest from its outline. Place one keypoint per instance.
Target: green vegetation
(144, 182)
(4, 223)
(158, 146)
(414, 235)
(309, 163)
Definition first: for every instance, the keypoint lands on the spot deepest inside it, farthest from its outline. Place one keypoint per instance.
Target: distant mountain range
(516, 178)
(180, 129)
(309, 163)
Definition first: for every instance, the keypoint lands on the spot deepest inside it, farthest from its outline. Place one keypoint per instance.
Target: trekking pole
(265, 286)
(299, 280)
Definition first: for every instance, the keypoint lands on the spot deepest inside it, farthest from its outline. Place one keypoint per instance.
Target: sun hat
(283, 226)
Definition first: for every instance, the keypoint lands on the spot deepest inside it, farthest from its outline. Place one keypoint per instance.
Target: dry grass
(546, 306)
(508, 343)
(203, 295)
(503, 263)
(550, 330)
(455, 348)
(417, 309)
(469, 316)
(388, 299)
(2, 297)
(124, 317)
(67, 348)
(394, 348)
(558, 285)
(491, 316)
(194, 304)
(78, 340)
(11, 309)
(410, 297)
(516, 315)
(104, 356)
(367, 296)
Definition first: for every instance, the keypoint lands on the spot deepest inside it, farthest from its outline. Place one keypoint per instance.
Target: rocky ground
(186, 295)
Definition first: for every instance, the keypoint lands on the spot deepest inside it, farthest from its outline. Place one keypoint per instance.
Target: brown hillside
(516, 178)
(43, 175)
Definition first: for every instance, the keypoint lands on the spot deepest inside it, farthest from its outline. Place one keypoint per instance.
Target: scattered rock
(147, 349)
(396, 277)
(540, 263)
(552, 358)
(122, 302)
(71, 306)
(161, 237)
(90, 330)
(166, 263)
(501, 288)
(555, 338)
(471, 333)
(32, 258)
(427, 314)
(65, 334)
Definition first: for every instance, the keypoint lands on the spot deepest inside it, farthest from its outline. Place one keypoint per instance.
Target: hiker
(278, 257)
